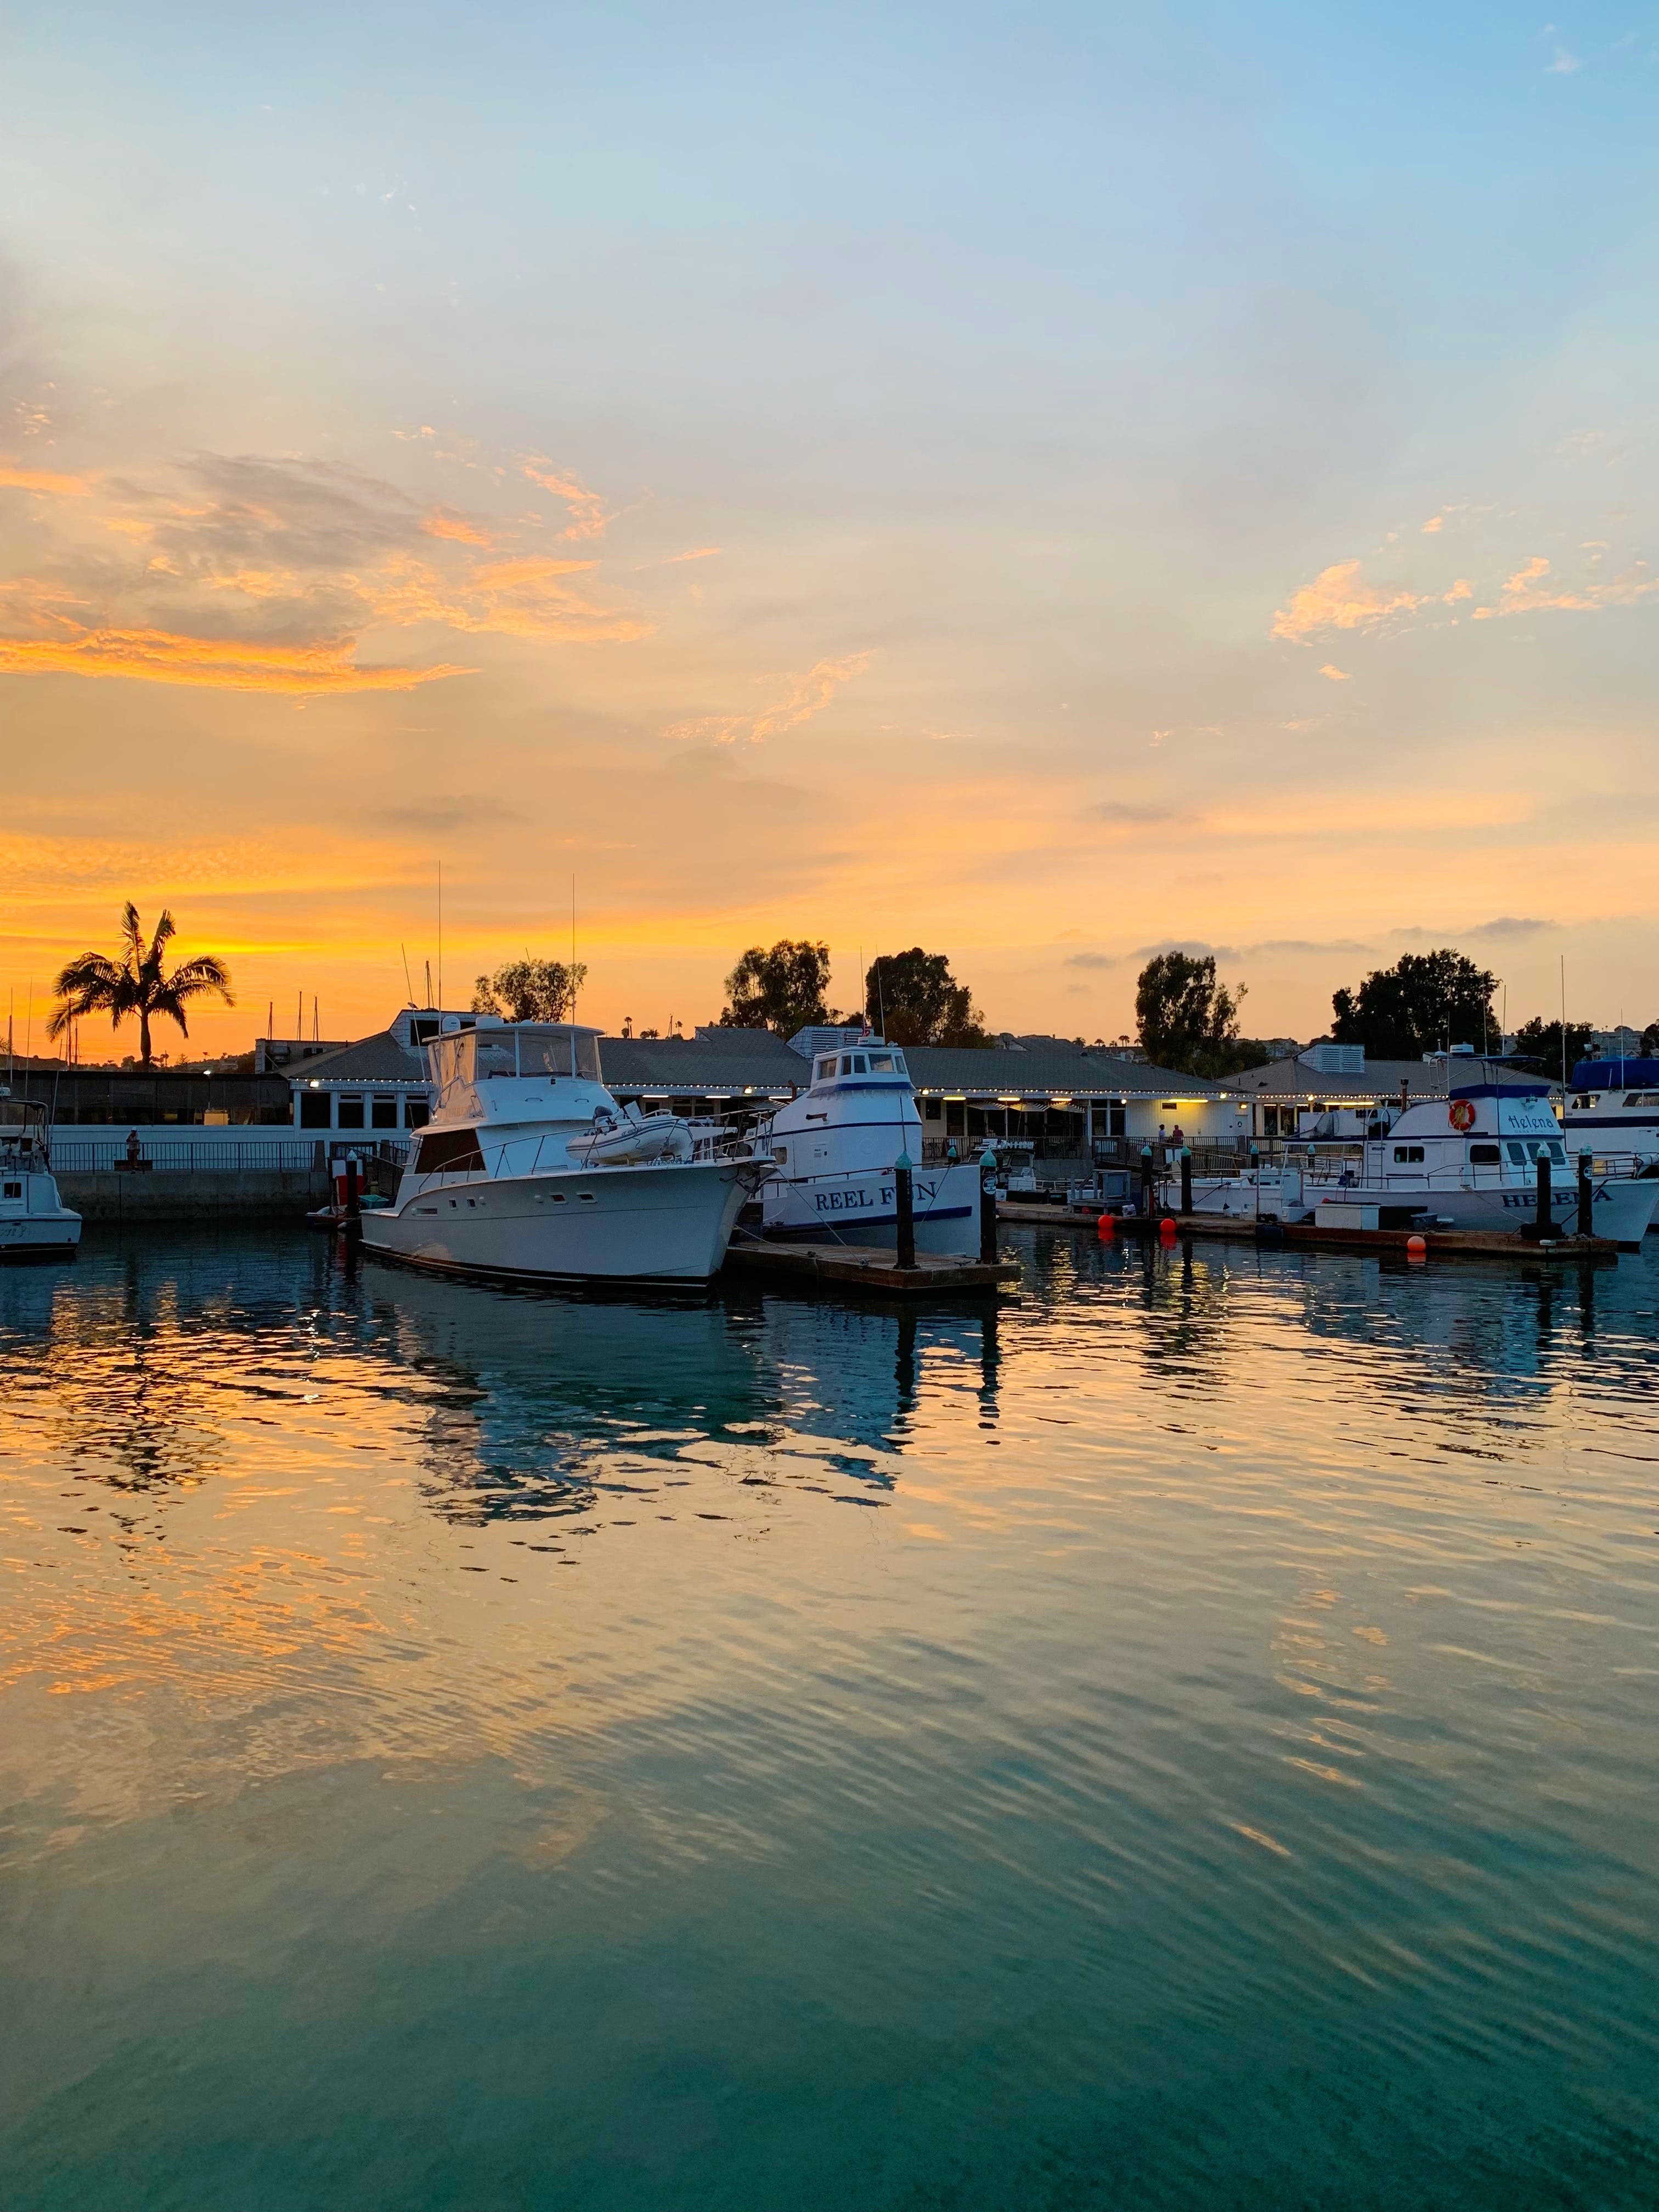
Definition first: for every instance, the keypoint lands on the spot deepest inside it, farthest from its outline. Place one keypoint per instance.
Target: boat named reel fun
(834, 1150)
(530, 1170)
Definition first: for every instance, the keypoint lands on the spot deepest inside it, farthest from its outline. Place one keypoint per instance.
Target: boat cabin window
(1407, 1155)
(1485, 1156)
(1517, 1153)
(447, 1151)
(826, 1069)
(1557, 1151)
(881, 1063)
(1642, 1098)
(531, 1048)
(857, 1063)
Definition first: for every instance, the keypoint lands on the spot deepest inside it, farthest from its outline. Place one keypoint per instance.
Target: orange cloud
(22, 479)
(588, 518)
(1527, 591)
(158, 656)
(1339, 598)
(808, 695)
(441, 523)
(514, 599)
(697, 553)
(1337, 675)
(533, 569)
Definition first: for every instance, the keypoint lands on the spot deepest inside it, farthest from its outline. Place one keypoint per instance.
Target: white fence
(77, 1150)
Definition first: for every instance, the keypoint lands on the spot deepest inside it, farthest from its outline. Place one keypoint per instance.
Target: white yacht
(526, 1169)
(1470, 1161)
(34, 1222)
(834, 1150)
(1612, 1108)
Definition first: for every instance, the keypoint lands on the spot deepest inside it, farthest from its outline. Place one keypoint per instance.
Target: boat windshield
(517, 1048)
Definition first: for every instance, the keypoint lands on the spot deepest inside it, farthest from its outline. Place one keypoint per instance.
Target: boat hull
(1621, 1208)
(645, 1224)
(40, 1236)
(860, 1207)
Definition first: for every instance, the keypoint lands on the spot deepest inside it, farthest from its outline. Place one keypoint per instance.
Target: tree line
(1186, 1019)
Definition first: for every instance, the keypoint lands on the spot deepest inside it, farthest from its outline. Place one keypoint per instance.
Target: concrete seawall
(206, 1194)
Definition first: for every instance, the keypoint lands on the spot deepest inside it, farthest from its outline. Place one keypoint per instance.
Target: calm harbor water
(1188, 1740)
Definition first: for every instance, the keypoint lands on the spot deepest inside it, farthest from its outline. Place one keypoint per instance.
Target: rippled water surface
(1186, 1740)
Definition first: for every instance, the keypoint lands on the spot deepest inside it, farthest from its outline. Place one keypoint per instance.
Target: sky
(1045, 484)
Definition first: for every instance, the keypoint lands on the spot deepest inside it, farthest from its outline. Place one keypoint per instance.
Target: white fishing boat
(530, 1170)
(34, 1222)
(1471, 1161)
(1612, 1107)
(834, 1150)
(1260, 1194)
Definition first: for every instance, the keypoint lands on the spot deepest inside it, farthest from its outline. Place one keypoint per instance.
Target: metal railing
(264, 1156)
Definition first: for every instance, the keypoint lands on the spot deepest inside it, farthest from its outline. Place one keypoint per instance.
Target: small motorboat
(34, 1222)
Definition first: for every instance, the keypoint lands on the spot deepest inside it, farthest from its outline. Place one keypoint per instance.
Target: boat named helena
(529, 1169)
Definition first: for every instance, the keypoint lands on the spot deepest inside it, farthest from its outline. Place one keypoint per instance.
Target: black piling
(1586, 1197)
(1186, 1179)
(1544, 1229)
(988, 1209)
(1146, 1182)
(904, 1196)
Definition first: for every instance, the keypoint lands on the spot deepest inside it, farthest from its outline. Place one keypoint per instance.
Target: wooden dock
(1301, 1237)
(866, 1271)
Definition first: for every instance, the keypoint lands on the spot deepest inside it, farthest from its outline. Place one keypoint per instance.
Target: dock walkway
(1436, 1243)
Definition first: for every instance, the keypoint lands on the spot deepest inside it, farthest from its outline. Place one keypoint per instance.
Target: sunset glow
(1040, 490)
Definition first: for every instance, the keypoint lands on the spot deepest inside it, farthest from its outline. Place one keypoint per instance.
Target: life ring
(1462, 1114)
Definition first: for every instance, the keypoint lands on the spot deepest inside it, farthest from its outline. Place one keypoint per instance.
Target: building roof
(1045, 1069)
(733, 1061)
(377, 1058)
(1378, 1079)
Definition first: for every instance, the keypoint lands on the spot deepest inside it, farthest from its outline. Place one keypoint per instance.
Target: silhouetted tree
(531, 990)
(1538, 1042)
(1185, 1018)
(779, 988)
(913, 998)
(135, 983)
(1426, 1002)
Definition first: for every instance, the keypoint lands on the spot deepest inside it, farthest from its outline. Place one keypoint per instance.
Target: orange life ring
(1462, 1114)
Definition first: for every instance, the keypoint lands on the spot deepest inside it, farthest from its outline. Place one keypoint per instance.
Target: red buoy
(1166, 1230)
(1417, 1247)
(1106, 1224)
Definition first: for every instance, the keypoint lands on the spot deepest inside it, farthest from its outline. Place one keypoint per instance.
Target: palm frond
(132, 935)
(206, 972)
(163, 931)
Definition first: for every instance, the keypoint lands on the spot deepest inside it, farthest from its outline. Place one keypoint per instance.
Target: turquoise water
(1186, 1741)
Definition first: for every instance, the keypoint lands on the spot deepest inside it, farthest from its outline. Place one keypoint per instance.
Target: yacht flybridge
(834, 1149)
(530, 1168)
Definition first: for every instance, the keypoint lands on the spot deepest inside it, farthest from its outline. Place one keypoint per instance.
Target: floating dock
(869, 1272)
(1301, 1237)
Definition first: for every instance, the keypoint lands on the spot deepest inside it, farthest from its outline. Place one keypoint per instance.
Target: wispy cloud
(442, 522)
(17, 477)
(1564, 65)
(807, 696)
(589, 516)
(1533, 590)
(1336, 675)
(1130, 816)
(156, 656)
(1094, 960)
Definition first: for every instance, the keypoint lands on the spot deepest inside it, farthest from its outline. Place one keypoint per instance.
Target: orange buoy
(1106, 1224)
(1166, 1230)
(1417, 1247)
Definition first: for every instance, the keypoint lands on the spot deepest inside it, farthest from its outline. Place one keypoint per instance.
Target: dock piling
(1586, 1197)
(904, 1194)
(987, 1208)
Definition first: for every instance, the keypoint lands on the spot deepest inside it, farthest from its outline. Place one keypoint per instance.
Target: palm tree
(135, 984)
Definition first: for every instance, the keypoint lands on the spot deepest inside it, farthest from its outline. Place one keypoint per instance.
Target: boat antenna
(440, 934)
(1563, 1031)
(881, 998)
(428, 982)
(572, 944)
(408, 986)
